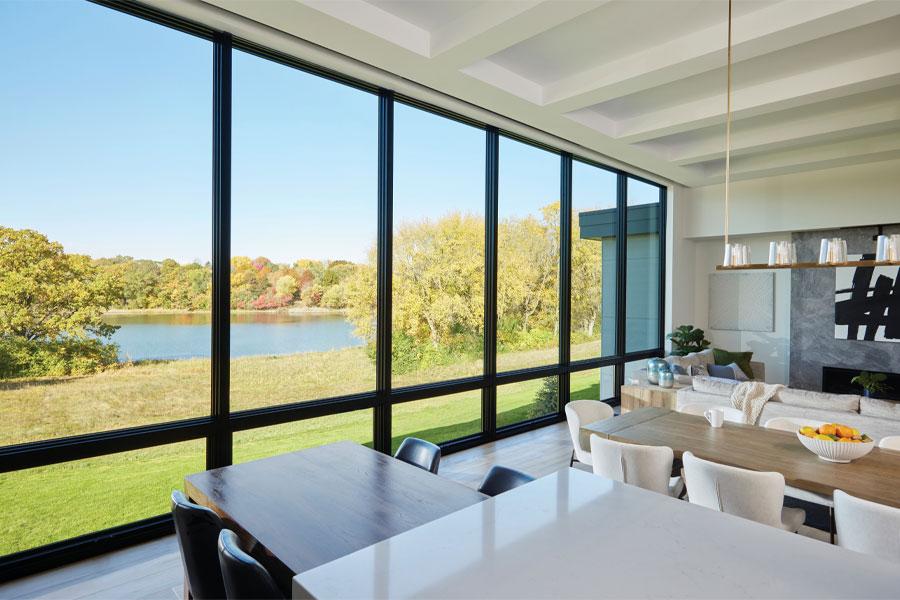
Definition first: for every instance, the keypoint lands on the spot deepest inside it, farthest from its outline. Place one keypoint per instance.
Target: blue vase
(653, 369)
(666, 379)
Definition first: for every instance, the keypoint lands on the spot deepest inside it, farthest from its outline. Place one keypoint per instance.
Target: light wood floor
(153, 570)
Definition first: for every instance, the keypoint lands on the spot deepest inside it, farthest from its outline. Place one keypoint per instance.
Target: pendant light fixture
(729, 251)
(783, 255)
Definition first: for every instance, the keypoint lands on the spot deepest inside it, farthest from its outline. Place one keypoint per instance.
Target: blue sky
(106, 128)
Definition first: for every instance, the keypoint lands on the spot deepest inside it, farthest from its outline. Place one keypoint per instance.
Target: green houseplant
(686, 339)
(871, 383)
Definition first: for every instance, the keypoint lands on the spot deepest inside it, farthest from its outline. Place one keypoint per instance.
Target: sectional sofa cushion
(818, 400)
(882, 409)
(875, 427)
(714, 386)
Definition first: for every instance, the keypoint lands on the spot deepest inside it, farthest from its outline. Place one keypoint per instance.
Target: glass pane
(290, 437)
(437, 419)
(593, 262)
(105, 225)
(304, 218)
(53, 503)
(438, 264)
(633, 371)
(517, 402)
(642, 273)
(593, 384)
(528, 257)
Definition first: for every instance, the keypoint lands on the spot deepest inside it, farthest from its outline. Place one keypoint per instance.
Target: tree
(46, 293)
(587, 281)
(527, 279)
(286, 285)
(52, 303)
(439, 279)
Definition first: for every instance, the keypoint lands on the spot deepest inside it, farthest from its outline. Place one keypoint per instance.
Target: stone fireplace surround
(813, 345)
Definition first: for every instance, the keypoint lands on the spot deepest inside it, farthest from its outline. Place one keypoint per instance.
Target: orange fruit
(845, 439)
(844, 431)
(828, 429)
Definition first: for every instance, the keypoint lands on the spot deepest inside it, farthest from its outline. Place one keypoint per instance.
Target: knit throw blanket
(751, 396)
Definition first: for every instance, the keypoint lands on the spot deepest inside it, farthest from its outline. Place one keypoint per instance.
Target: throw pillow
(699, 371)
(724, 357)
(678, 370)
(738, 372)
(722, 372)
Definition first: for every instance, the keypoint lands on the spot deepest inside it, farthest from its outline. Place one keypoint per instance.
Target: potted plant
(871, 383)
(686, 339)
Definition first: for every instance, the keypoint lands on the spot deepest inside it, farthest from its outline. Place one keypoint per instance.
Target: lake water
(187, 335)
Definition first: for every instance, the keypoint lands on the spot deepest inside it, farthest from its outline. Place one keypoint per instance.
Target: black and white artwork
(867, 303)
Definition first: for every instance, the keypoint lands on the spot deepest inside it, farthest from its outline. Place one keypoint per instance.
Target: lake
(170, 336)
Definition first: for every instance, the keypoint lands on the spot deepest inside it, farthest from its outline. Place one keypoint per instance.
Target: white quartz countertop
(575, 535)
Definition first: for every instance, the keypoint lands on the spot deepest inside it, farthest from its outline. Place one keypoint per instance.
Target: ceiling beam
(801, 89)
(820, 156)
(376, 21)
(761, 32)
(852, 121)
(494, 26)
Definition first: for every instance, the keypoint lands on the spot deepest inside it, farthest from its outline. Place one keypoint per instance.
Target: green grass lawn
(48, 504)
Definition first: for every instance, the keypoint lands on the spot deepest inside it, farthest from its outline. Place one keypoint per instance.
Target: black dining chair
(245, 578)
(502, 479)
(197, 528)
(420, 453)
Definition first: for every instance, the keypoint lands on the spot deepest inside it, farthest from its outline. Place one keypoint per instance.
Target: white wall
(771, 348)
(858, 195)
(763, 210)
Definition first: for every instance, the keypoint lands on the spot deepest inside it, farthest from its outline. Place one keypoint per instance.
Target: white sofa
(706, 358)
(877, 418)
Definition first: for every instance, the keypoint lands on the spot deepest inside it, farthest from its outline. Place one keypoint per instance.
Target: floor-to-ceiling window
(303, 232)
(192, 270)
(105, 232)
(642, 309)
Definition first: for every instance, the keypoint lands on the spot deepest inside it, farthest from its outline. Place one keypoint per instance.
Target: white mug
(715, 416)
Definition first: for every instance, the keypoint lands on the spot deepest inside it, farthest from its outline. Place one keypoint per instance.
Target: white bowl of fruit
(835, 442)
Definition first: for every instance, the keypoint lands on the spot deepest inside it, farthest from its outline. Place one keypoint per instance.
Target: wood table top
(310, 507)
(874, 477)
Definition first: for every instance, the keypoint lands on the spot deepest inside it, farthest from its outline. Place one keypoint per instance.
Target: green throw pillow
(725, 358)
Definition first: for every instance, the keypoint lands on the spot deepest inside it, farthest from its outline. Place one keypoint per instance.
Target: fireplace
(837, 381)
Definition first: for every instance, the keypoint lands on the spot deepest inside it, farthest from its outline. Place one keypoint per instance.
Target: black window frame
(217, 428)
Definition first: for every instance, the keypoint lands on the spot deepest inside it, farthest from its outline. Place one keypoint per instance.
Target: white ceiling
(816, 82)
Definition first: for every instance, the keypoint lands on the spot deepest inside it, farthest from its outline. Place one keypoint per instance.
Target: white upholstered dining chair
(732, 415)
(647, 467)
(792, 424)
(868, 527)
(584, 412)
(890, 442)
(753, 495)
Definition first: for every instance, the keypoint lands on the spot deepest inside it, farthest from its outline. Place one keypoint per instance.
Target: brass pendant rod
(728, 129)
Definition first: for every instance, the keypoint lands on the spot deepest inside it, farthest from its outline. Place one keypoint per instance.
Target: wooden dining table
(303, 509)
(874, 477)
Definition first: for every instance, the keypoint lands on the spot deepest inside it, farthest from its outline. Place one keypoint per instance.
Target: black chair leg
(831, 525)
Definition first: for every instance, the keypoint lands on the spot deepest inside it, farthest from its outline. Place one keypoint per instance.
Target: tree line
(52, 302)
